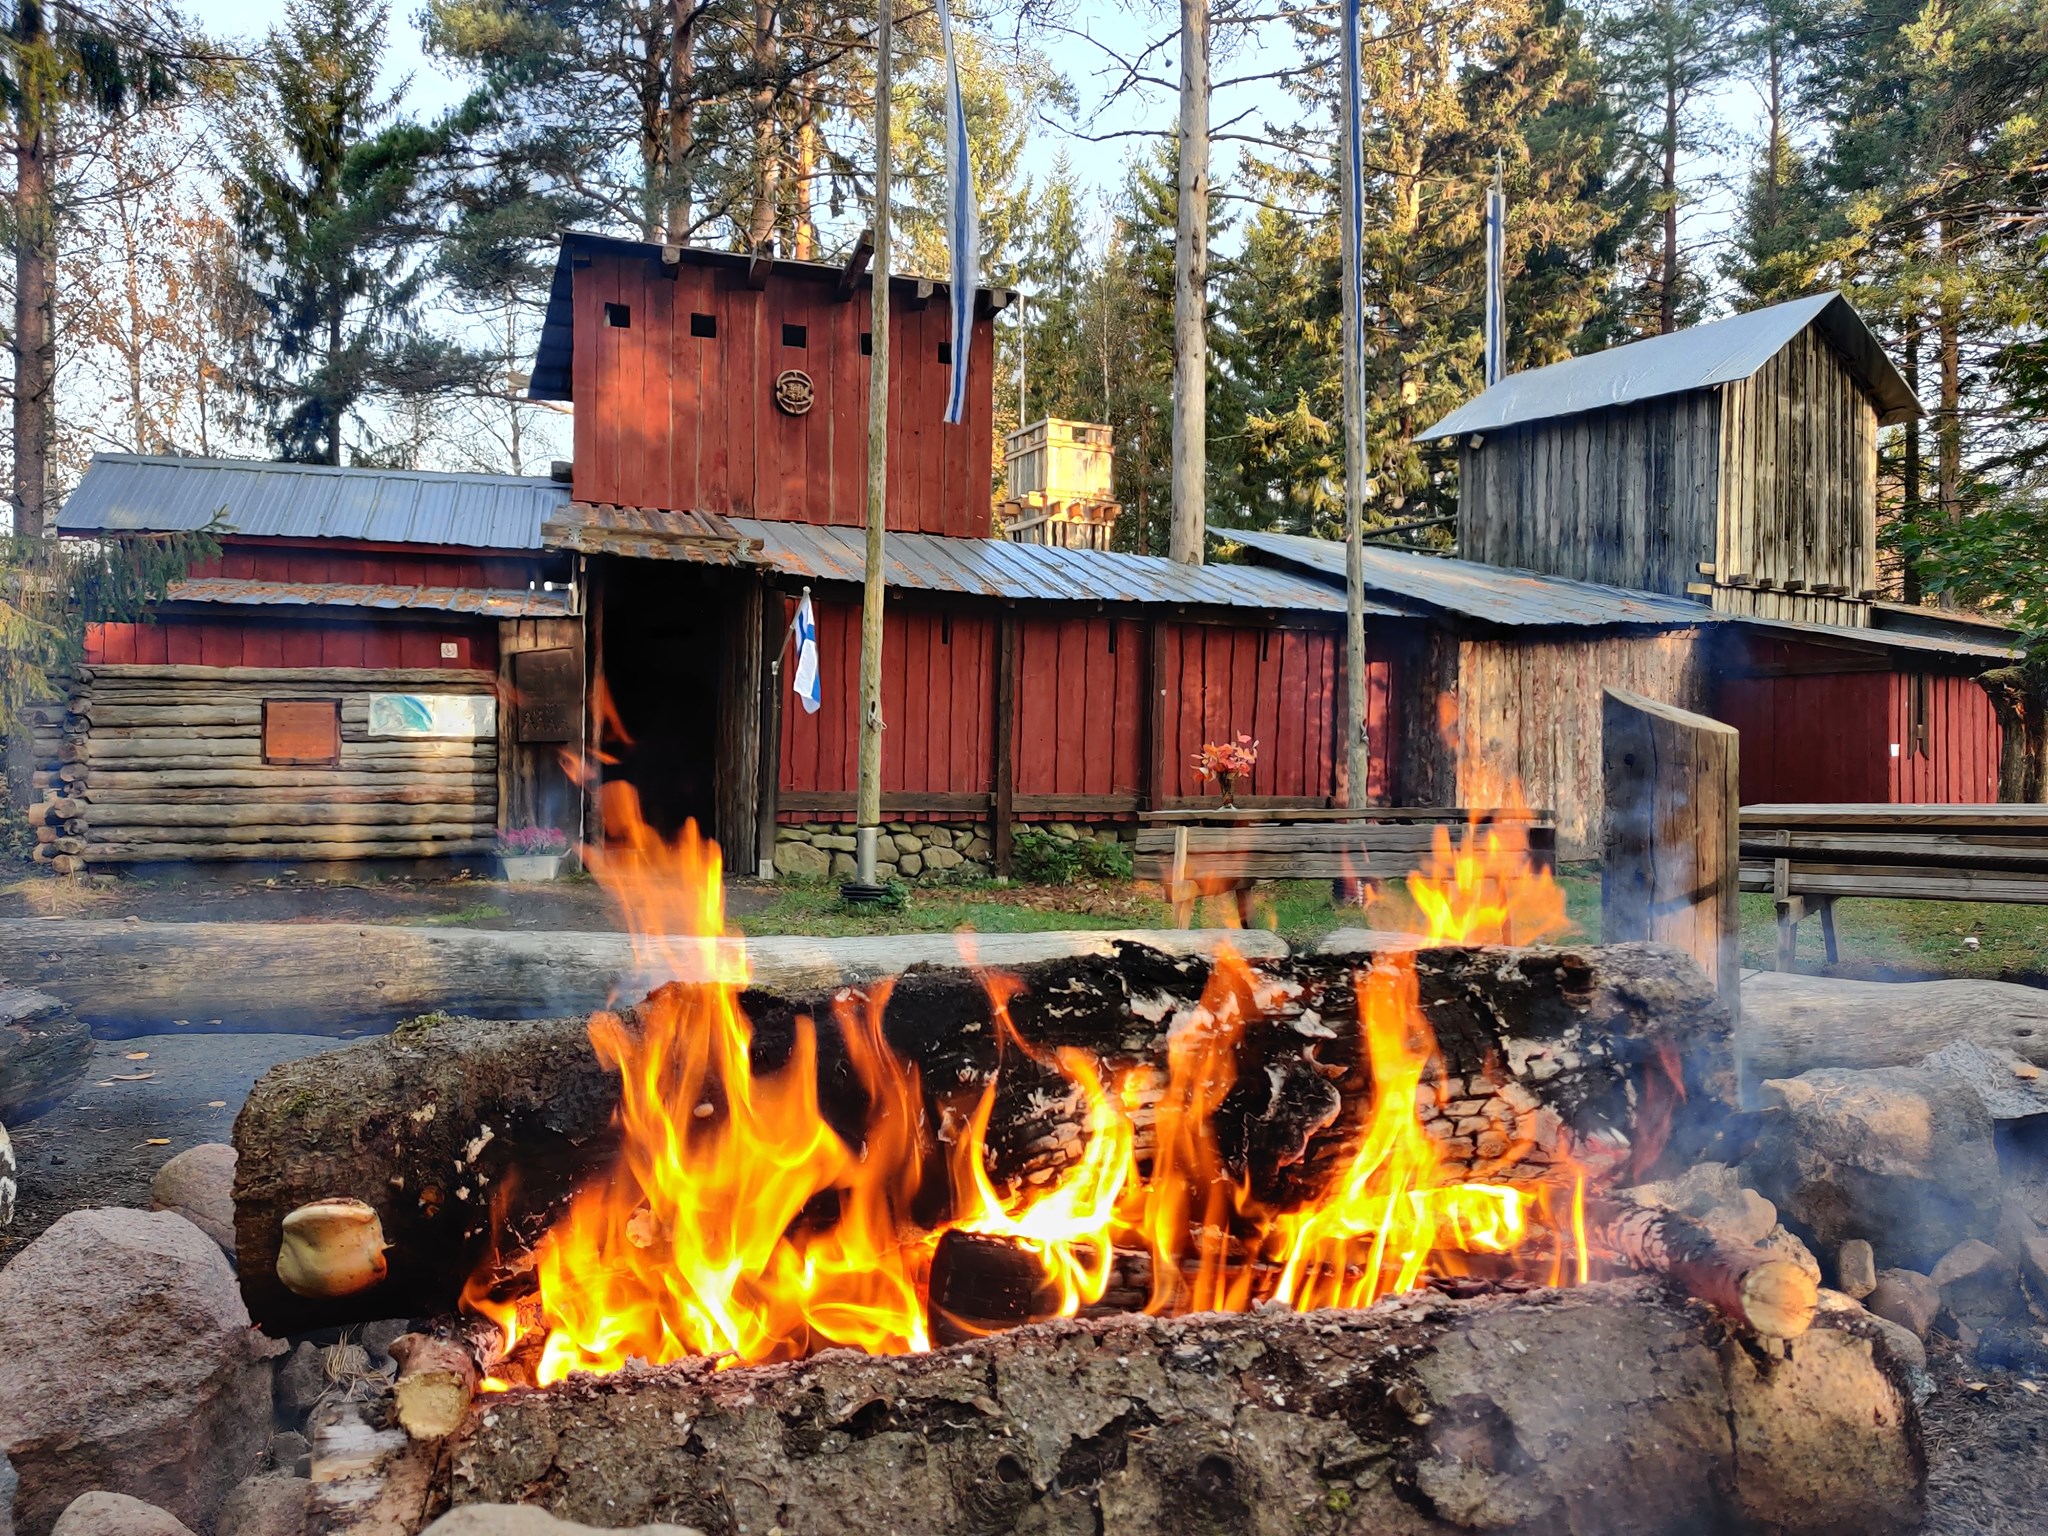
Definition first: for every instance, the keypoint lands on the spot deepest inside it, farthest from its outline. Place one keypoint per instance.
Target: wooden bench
(1207, 853)
(1810, 856)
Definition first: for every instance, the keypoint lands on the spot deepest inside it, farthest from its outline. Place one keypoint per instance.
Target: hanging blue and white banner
(1354, 167)
(963, 226)
(1496, 320)
(805, 679)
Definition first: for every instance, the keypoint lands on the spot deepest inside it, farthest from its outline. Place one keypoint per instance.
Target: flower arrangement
(533, 842)
(1225, 762)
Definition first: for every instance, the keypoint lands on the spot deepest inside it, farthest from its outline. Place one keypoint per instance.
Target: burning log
(449, 1128)
(1606, 1408)
(1767, 1293)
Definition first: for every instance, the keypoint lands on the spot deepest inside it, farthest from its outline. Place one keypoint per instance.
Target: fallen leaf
(133, 1077)
(2025, 1069)
(2028, 1386)
(105, 1082)
(158, 1141)
(1978, 1386)
(138, 1055)
(216, 1103)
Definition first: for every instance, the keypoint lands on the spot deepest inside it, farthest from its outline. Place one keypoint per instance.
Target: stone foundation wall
(927, 852)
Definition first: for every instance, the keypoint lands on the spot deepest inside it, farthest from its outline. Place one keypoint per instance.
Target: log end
(1779, 1299)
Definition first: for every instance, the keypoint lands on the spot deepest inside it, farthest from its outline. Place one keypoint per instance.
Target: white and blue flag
(805, 679)
(963, 226)
(1496, 321)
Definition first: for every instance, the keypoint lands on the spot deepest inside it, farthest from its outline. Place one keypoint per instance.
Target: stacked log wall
(167, 762)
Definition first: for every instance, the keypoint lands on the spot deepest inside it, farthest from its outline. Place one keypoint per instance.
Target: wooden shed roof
(1719, 352)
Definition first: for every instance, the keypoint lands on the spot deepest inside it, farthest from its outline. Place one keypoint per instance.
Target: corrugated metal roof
(1719, 352)
(127, 493)
(997, 568)
(481, 601)
(1882, 639)
(1489, 593)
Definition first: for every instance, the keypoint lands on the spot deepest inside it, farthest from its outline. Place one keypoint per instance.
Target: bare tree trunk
(1949, 419)
(682, 117)
(2020, 701)
(1774, 154)
(767, 153)
(35, 273)
(1910, 507)
(1667, 296)
(1190, 290)
(806, 244)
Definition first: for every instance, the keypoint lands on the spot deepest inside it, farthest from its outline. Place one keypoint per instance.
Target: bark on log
(375, 779)
(1792, 1023)
(43, 1052)
(441, 790)
(417, 826)
(105, 676)
(430, 1125)
(1610, 1408)
(460, 844)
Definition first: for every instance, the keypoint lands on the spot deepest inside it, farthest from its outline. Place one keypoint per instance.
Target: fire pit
(1202, 1240)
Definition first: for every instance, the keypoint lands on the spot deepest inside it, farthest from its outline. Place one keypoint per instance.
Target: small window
(945, 629)
(794, 335)
(618, 316)
(302, 732)
(945, 352)
(704, 325)
(867, 343)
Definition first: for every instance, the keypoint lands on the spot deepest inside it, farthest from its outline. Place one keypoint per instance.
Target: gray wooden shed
(1735, 462)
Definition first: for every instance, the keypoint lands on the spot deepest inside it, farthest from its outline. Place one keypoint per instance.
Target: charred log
(1611, 1407)
(448, 1128)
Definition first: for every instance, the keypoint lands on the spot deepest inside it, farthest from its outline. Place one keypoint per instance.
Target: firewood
(439, 1127)
(1767, 1293)
(1610, 1407)
(437, 1379)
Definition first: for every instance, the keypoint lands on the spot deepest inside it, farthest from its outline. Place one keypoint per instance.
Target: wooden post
(774, 645)
(1190, 292)
(1354, 749)
(1671, 863)
(1152, 762)
(736, 771)
(1005, 765)
(868, 799)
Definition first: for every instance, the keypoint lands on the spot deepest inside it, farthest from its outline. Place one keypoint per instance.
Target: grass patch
(1892, 938)
(475, 912)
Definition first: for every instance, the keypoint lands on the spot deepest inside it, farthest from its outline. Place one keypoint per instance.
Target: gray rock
(907, 842)
(1855, 1269)
(2008, 1085)
(837, 842)
(1786, 1246)
(526, 1520)
(128, 1364)
(1978, 1284)
(936, 857)
(7, 1485)
(1905, 1297)
(885, 848)
(911, 864)
(378, 1337)
(100, 1513)
(44, 1051)
(1714, 1195)
(843, 866)
(800, 861)
(289, 1452)
(1900, 1157)
(301, 1381)
(198, 1184)
(268, 1504)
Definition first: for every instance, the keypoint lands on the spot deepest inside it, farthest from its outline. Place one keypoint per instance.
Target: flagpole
(1350, 178)
(868, 796)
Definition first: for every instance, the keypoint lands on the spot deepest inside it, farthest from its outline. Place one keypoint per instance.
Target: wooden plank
(1880, 816)
(1669, 866)
(1004, 765)
(1328, 837)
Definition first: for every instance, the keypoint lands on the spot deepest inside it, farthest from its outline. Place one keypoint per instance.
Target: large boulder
(198, 1184)
(1901, 1157)
(100, 1513)
(268, 1504)
(43, 1052)
(128, 1364)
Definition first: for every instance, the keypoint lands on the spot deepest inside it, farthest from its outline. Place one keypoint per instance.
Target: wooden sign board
(306, 732)
(549, 685)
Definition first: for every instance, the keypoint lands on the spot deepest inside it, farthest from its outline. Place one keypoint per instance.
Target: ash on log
(445, 1128)
(1609, 1408)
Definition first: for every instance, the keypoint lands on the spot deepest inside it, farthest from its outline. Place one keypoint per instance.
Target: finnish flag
(805, 682)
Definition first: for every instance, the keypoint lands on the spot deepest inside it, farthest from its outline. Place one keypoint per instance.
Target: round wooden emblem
(793, 391)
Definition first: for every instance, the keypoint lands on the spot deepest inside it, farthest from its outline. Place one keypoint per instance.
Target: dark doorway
(663, 626)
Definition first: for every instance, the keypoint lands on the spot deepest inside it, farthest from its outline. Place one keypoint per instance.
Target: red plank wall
(671, 420)
(1080, 699)
(237, 642)
(1827, 737)
(346, 561)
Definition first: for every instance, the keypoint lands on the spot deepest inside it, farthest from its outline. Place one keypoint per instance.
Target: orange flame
(740, 1224)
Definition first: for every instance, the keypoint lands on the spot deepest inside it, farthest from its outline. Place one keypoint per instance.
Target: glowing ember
(739, 1223)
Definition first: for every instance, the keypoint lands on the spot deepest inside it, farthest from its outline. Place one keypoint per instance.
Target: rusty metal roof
(1719, 352)
(357, 594)
(1490, 593)
(647, 533)
(997, 568)
(132, 493)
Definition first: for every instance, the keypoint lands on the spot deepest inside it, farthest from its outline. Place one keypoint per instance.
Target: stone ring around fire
(794, 391)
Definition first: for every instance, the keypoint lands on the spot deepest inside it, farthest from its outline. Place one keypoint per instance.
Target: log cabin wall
(1528, 718)
(1797, 514)
(675, 372)
(1626, 497)
(164, 760)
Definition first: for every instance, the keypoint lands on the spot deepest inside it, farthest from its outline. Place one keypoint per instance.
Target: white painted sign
(466, 715)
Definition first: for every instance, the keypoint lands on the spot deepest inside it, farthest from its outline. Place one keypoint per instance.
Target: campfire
(907, 1217)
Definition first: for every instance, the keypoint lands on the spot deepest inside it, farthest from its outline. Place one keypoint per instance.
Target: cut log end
(437, 1381)
(1779, 1299)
